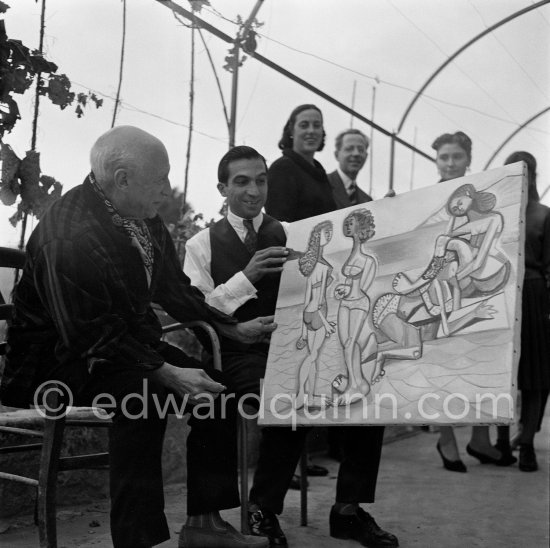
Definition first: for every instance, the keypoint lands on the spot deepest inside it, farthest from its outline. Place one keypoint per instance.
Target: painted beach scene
(404, 310)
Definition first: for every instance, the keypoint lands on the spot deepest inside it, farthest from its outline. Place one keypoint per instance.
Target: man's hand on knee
(183, 381)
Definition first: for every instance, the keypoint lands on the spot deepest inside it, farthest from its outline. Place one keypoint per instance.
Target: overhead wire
(377, 79)
(461, 125)
(503, 46)
(476, 83)
(128, 106)
(211, 61)
(122, 50)
(540, 13)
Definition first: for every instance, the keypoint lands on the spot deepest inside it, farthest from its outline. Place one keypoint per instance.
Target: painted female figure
(466, 260)
(315, 328)
(354, 331)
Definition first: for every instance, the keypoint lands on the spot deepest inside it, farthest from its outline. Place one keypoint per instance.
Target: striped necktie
(251, 238)
(352, 193)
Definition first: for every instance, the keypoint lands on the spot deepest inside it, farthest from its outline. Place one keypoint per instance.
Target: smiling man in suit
(351, 148)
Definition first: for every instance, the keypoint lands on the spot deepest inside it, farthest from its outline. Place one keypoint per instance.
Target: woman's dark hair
(529, 159)
(459, 138)
(286, 139)
(482, 202)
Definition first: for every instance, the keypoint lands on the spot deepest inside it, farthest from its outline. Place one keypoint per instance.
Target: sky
(383, 49)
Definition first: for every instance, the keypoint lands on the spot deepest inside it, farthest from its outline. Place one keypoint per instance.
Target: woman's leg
(530, 411)
(503, 439)
(447, 443)
(480, 441)
(543, 400)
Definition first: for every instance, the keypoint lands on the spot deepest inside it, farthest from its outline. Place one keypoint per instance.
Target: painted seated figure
(466, 263)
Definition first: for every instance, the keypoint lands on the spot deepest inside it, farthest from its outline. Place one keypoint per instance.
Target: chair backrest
(10, 261)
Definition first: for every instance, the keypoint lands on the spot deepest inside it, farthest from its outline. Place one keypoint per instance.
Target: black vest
(229, 256)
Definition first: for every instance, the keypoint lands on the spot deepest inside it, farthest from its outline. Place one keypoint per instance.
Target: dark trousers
(135, 446)
(281, 447)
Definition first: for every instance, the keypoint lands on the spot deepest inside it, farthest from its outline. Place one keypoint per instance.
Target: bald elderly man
(95, 262)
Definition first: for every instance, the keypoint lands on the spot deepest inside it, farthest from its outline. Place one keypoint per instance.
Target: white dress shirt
(236, 291)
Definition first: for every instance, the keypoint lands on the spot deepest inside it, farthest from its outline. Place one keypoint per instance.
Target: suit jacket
(340, 193)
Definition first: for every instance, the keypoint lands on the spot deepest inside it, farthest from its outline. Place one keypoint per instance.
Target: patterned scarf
(135, 229)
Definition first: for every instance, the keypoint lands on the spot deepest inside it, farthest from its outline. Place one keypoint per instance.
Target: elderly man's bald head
(132, 167)
(123, 147)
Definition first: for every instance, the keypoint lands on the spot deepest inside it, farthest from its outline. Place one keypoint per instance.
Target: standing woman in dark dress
(534, 363)
(298, 184)
(454, 155)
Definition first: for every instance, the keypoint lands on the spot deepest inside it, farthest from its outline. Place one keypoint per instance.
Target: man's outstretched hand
(182, 381)
(250, 332)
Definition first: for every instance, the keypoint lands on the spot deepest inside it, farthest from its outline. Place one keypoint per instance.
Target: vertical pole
(234, 88)
(371, 163)
(117, 100)
(413, 159)
(392, 160)
(34, 123)
(235, 82)
(352, 102)
(191, 115)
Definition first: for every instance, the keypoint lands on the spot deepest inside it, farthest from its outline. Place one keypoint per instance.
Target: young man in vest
(237, 263)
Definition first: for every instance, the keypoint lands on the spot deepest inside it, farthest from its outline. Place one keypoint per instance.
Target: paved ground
(419, 501)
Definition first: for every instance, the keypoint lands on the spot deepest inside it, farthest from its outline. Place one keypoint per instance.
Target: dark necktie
(352, 193)
(251, 238)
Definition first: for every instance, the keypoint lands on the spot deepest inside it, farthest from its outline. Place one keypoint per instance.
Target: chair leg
(303, 488)
(243, 471)
(47, 481)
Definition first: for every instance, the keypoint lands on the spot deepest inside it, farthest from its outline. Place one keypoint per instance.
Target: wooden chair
(46, 429)
(243, 474)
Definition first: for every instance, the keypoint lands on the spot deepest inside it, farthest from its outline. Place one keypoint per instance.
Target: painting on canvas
(404, 310)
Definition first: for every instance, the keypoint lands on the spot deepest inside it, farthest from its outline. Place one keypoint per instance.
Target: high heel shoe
(451, 465)
(505, 458)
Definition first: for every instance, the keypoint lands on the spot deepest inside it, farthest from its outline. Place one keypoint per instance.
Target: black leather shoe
(316, 470)
(295, 483)
(527, 458)
(362, 528)
(264, 523)
(451, 465)
(202, 537)
(505, 458)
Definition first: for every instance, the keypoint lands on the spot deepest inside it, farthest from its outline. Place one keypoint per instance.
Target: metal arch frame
(281, 70)
(460, 50)
(449, 60)
(513, 134)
